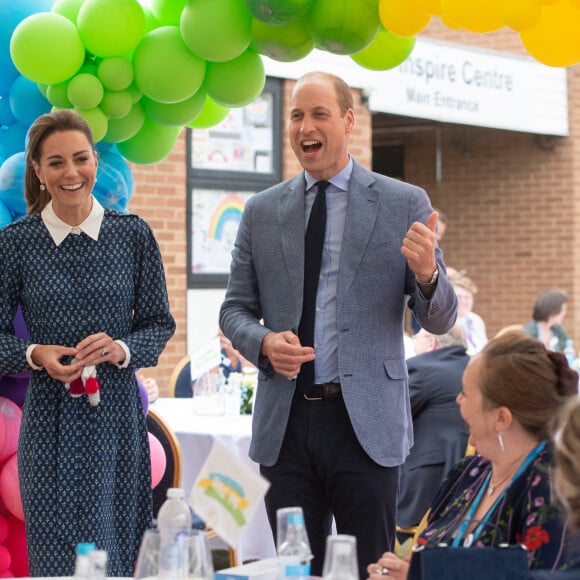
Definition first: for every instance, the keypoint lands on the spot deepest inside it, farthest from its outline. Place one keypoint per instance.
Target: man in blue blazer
(334, 445)
(439, 432)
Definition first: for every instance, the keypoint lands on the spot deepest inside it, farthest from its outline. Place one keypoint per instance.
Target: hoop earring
(42, 186)
(500, 439)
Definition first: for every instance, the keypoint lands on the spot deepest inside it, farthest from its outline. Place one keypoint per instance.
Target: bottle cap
(84, 548)
(175, 493)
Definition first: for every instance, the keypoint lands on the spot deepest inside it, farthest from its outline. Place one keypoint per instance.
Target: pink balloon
(158, 460)
(10, 419)
(3, 529)
(10, 488)
(5, 559)
(16, 544)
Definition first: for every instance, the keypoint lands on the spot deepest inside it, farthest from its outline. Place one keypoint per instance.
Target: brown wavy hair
(568, 462)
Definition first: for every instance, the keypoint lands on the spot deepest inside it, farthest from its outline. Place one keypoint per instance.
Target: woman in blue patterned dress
(513, 393)
(92, 290)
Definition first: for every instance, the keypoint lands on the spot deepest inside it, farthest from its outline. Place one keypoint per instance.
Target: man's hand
(419, 248)
(285, 353)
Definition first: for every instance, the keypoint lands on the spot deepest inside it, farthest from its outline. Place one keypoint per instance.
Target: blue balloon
(26, 101)
(12, 139)
(114, 158)
(12, 12)
(5, 215)
(6, 115)
(110, 188)
(12, 183)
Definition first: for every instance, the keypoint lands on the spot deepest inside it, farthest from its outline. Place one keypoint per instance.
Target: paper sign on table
(206, 358)
(226, 493)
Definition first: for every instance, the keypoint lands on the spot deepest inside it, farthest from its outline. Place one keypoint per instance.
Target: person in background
(547, 316)
(330, 436)
(440, 433)
(92, 289)
(567, 483)
(151, 387)
(513, 393)
(441, 225)
(472, 324)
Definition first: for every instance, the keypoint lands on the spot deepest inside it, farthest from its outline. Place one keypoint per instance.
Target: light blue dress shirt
(325, 325)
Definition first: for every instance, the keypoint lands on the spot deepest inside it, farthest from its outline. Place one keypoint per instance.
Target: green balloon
(116, 104)
(96, 120)
(135, 93)
(85, 91)
(237, 82)
(42, 88)
(111, 27)
(386, 51)
(168, 12)
(47, 48)
(278, 12)
(343, 26)
(152, 143)
(125, 127)
(216, 31)
(116, 73)
(211, 114)
(165, 69)
(176, 114)
(57, 95)
(67, 8)
(286, 43)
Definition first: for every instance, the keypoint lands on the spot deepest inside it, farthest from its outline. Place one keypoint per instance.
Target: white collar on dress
(59, 230)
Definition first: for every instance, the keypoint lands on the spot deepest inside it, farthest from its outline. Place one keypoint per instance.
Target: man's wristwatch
(431, 282)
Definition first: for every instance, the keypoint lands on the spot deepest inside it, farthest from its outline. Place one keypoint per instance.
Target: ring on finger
(105, 352)
(384, 570)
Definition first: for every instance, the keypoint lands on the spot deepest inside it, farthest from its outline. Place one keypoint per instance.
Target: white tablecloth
(196, 434)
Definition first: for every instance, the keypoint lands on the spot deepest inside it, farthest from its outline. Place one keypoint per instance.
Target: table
(196, 434)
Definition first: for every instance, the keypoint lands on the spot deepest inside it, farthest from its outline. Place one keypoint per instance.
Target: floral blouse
(527, 512)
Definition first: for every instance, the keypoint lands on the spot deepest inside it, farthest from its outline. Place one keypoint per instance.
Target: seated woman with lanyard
(513, 393)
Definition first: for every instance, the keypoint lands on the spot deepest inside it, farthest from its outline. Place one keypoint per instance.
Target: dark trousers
(323, 469)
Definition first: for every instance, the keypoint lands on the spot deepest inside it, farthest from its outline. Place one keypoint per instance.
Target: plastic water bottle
(82, 562)
(174, 524)
(98, 564)
(294, 553)
(570, 352)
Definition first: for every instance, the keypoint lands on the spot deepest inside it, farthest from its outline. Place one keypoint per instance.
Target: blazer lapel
(292, 231)
(361, 214)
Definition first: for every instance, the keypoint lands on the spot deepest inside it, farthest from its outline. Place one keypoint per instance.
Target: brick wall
(512, 201)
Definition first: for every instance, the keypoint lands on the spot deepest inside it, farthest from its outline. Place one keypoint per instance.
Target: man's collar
(59, 230)
(340, 180)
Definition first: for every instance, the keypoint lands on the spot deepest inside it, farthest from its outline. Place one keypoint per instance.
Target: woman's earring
(42, 186)
(500, 439)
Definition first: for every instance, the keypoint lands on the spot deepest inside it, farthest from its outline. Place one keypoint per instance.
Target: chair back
(180, 381)
(158, 426)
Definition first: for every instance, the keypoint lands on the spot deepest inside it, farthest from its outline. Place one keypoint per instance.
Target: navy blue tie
(313, 244)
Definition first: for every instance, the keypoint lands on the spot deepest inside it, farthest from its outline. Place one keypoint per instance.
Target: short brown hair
(41, 129)
(519, 373)
(549, 303)
(342, 90)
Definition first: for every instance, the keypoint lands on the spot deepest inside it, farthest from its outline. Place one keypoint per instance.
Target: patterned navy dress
(84, 473)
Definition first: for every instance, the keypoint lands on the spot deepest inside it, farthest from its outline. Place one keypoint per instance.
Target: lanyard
(468, 518)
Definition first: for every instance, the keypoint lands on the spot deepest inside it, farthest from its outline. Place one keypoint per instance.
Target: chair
(180, 380)
(158, 426)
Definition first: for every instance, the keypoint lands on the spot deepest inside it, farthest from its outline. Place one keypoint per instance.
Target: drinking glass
(208, 394)
(200, 565)
(148, 559)
(340, 560)
(283, 515)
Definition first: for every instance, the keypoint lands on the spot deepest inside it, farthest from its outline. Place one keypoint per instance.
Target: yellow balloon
(431, 6)
(474, 15)
(554, 41)
(521, 14)
(575, 3)
(403, 18)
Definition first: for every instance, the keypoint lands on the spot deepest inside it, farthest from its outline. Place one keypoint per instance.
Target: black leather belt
(324, 392)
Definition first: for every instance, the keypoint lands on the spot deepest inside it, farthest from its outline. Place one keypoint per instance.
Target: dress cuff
(127, 360)
(29, 350)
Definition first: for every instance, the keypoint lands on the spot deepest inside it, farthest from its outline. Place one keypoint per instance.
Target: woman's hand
(389, 565)
(55, 360)
(99, 348)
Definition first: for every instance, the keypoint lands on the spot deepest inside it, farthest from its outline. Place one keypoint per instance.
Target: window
(227, 164)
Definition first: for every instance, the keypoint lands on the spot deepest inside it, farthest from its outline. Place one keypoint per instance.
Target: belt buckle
(312, 398)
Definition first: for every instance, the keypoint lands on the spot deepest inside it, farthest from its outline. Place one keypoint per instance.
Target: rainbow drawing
(230, 209)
